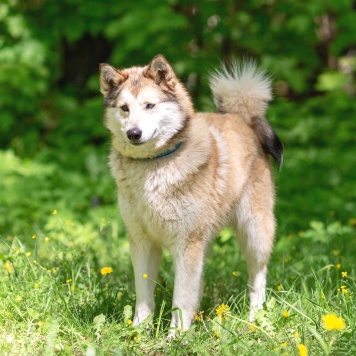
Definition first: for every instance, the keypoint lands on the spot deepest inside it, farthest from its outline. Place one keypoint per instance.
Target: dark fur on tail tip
(273, 146)
(270, 142)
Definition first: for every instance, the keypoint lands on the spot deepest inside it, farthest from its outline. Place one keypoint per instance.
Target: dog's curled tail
(245, 89)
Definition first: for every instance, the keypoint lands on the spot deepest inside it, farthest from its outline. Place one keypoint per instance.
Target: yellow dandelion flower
(129, 322)
(36, 285)
(134, 338)
(47, 239)
(338, 265)
(296, 335)
(40, 323)
(303, 350)
(323, 296)
(199, 316)
(336, 252)
(352, 222)
(72, 288)
(54, 212)
(119, 294)
(16, 249)
(253, 327)
(28, 254)
(34, 236)
(9, 266)
(145, 275)
(222, 311)
(102, 220)
(70, 243)
(279, 287)
(234, 273)
(105, 271)
(284, 344)
(18, 299)
(68, 280)
(217, 335)
(333, 322)
(345, 291)
(285, 313)
(343, 274)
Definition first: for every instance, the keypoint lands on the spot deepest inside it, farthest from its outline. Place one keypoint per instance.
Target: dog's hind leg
(146, 258)
(188, 284)
(255, 233)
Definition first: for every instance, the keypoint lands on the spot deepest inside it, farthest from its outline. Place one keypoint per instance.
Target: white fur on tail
(242, 88)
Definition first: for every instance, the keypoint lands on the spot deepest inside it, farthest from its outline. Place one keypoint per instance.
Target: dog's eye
(125, 108)
(150, 106)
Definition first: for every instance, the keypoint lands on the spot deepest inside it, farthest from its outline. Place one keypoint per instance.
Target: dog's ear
(110, 78)
(160, 70)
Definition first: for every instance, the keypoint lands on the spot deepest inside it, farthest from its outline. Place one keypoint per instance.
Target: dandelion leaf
(127, 312)
(263, 319)
(98, 321)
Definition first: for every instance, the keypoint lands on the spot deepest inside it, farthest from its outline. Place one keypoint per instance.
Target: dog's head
(146, 107)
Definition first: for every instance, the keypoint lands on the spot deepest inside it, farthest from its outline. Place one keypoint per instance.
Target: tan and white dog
(181, 175)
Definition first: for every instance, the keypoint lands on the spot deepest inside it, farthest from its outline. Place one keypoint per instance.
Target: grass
(54, 300)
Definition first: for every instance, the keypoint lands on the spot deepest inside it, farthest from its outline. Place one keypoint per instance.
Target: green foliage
(317, 179)
(32, 190)
(50, 51)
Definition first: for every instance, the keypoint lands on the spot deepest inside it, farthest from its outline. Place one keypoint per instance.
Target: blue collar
(168, 152)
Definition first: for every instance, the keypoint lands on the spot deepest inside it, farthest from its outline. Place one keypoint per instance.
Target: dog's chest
(156, 200)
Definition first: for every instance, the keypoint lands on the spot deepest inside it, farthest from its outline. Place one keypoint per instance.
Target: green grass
(54, 299)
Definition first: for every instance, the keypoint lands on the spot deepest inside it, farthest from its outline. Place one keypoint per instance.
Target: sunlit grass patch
(53, 296)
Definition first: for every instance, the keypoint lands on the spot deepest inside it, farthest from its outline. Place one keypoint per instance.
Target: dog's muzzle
(134, 135)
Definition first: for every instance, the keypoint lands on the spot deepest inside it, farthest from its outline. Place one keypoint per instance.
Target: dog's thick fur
(181, 176)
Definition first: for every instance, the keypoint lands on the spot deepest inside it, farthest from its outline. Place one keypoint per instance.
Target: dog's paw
(253, 311)
(172, 335)
(143, 318)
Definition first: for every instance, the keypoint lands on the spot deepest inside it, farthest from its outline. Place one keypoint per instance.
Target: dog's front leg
(188, 284)
(146, 258)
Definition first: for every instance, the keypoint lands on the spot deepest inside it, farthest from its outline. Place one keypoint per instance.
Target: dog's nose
(134, 134)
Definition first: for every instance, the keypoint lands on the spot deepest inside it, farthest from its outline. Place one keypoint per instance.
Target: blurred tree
(50, 51)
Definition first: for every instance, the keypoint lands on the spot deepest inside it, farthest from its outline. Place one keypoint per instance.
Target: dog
(182, 176)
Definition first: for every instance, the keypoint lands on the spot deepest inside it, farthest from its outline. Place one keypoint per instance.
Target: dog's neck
(169, 151)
